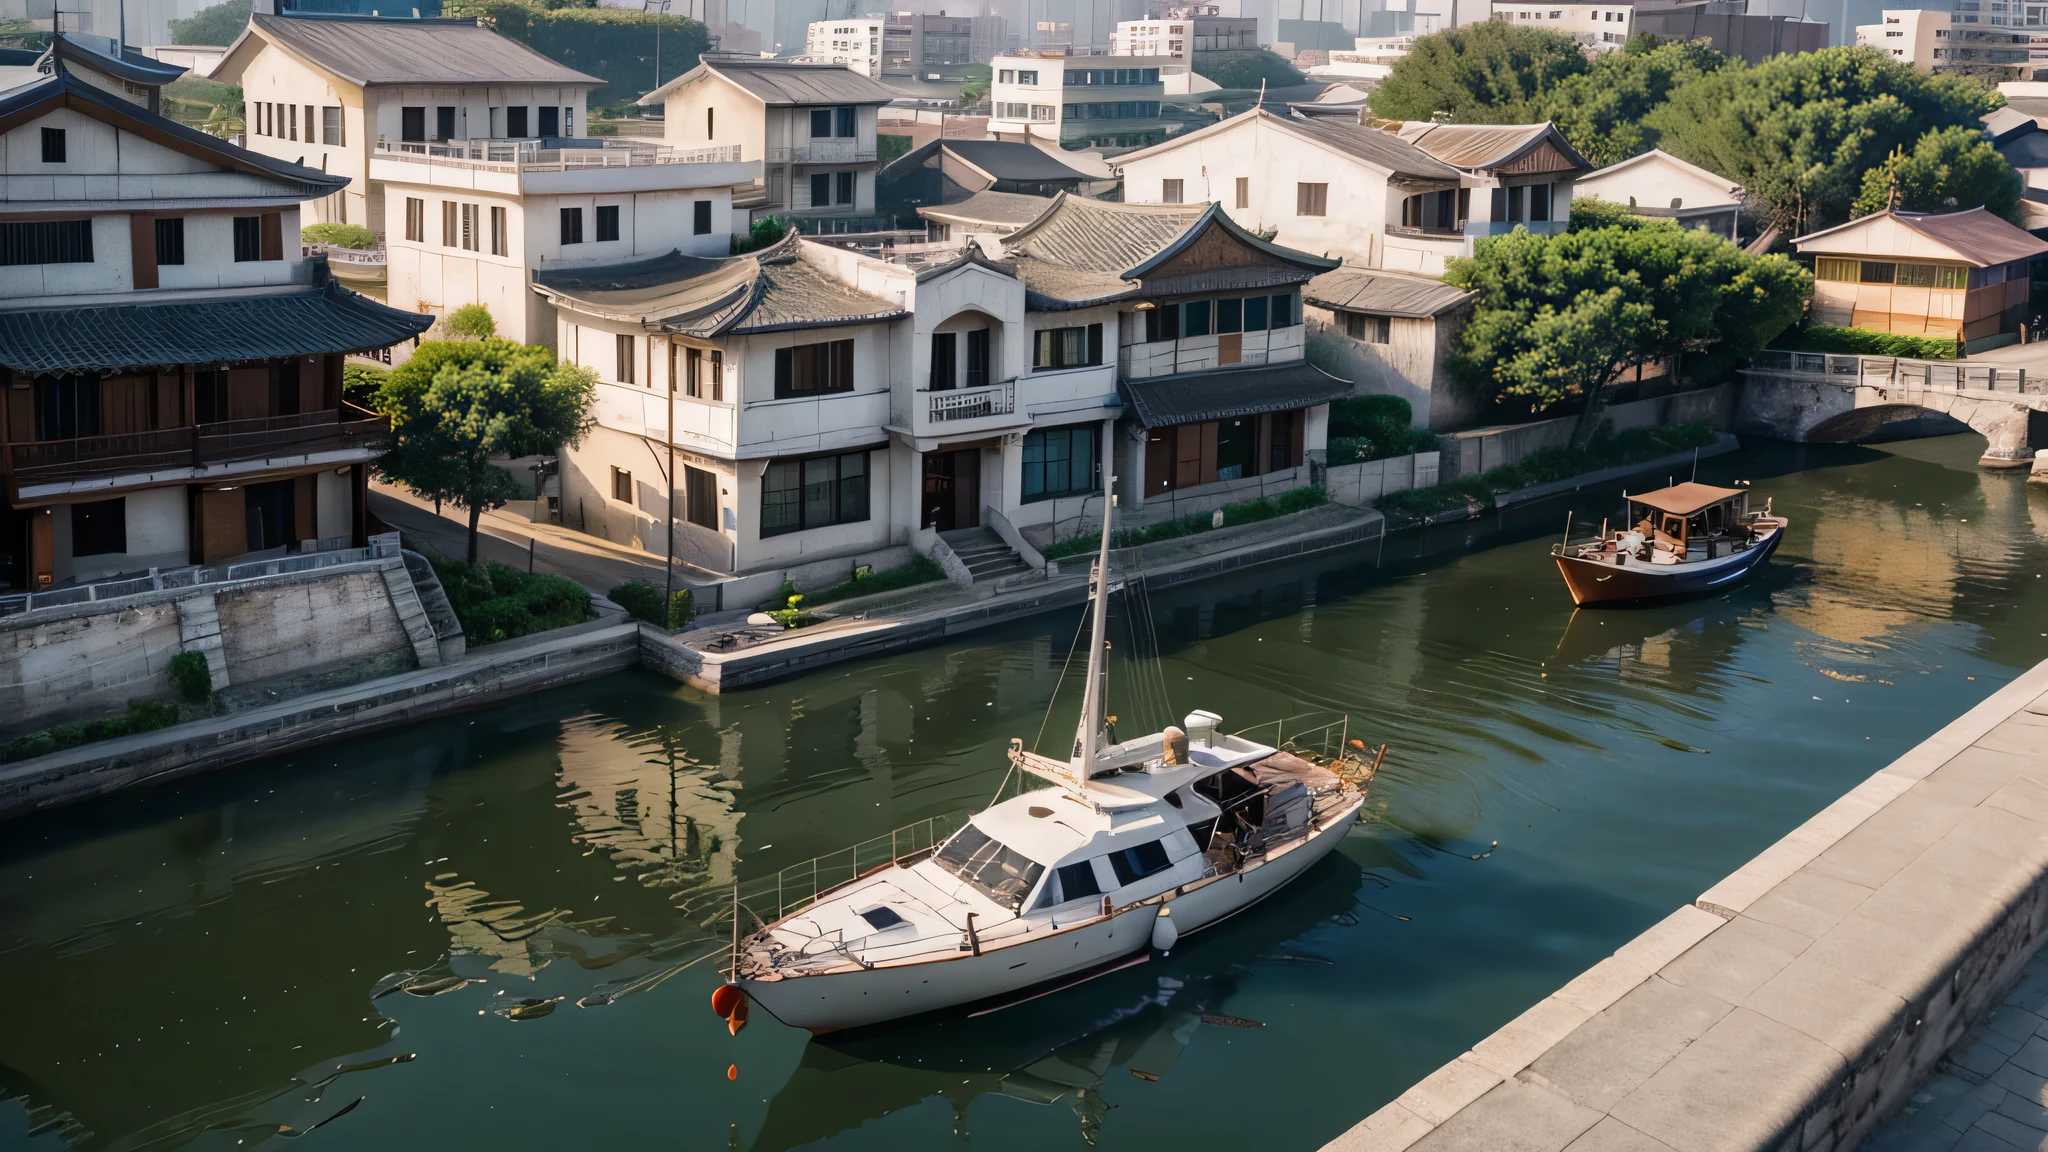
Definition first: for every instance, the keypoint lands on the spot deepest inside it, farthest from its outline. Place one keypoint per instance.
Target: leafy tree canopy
(1559, 316)
(219, 24)
(1800, 131)
(1492, 72)
(1244, 68)
(458, 403)
(470, 322)
(1949, 170)
(1601, 110)
(617, 44)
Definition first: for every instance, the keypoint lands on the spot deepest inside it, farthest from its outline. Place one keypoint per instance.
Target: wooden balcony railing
(226, 442)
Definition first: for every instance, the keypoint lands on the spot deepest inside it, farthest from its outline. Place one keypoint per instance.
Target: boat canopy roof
(1685, 499)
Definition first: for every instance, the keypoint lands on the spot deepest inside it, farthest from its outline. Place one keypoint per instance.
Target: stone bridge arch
(1817, 398)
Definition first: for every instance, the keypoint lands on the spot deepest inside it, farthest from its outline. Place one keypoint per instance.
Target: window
(1062, 462)
(209, 395)
(412, 124)
(1878, 272)
(1244, 191)
(1027, 76)
(1951, 276)
(821, 189)
(999, 873)
(415, 220)
(448, 225)
(625, 355)
(1194, 317)
(842, 121)
(700, 222)
(1371, 329)
(1835, 268)
(814, 369)
(845, 187)
(1162, 323)
(1072, 882)
(472, 228)
(700, 497)
(1229, 316)
(814, 492)
(1255, 314)
(1007, 76)
(1042, 113)
(550, 121)
(99, 528)
(1916, 276)
(284, 389)
(501, 244)
(718, 376)
(572, 225)
(292, 121)
(1169, 191)
(46, 242)
(945, 361)
(67, 407)
(1008, 111)
(170, 240)
(1068, 347)
(515, 123)
(1134, 864)
(330, 126)
(1311, 199)
(977, 358)
(607, 222)
(1286, 313)
(53, 146)
(821, 123)
(248, 238)
(622, 485)
(710, 123)
(1539, 201)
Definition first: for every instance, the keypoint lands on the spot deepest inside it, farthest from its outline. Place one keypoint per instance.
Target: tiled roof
(1011, 160)
(129, 65)
(1226, 393)
(1082, 252)
(219, 330)
(367, 50)
(1976, 236)
(1342, 135)
(766, 291)
(1001, 208)
(1383, 293)
(1480, 146)
(784, 82)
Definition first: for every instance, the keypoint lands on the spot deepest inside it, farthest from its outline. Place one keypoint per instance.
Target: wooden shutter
(142, 239)
(273, 236)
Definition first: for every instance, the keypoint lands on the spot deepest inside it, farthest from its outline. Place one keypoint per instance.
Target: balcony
(530, 156)
(971, 403)
(823, 151)
(196, 449)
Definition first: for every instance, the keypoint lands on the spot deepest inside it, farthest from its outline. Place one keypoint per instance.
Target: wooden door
(1230, 348)
(1159, 455)
(938, 491)
(967, 488)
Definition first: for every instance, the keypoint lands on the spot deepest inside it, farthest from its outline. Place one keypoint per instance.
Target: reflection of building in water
(659, 800)
(1876, 566)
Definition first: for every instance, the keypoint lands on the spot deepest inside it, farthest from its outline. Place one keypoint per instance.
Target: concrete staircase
(987, 558)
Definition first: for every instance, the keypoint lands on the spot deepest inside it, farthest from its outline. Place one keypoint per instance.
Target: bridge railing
(1942, 374)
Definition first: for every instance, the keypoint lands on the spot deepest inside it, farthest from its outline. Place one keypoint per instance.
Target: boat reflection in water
(1109, 1037)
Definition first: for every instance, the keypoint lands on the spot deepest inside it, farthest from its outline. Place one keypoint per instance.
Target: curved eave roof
(773, 290)
(1228, 393)
(130, 65)
(367, 50)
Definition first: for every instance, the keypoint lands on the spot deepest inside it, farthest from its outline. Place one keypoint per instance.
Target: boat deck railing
(765, 899)
(1302, 734)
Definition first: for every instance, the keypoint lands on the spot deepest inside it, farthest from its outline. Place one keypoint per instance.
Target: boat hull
(1592, 582)
(835, 1001)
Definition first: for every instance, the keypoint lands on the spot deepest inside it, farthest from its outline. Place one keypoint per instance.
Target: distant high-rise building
(856, 43)
(1941, 42)
(935, 46)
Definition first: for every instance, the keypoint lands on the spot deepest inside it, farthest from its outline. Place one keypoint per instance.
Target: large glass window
(67, 407)
(1067, 347)
(1134, 864)
(999, 873)
(46, 242)
(814, 369)
(1194, 317)
(814, 492)
(1237, 448)
(1062, 462)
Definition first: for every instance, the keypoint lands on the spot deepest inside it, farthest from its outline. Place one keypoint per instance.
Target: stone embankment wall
(1481, 449)
(1800, 1000)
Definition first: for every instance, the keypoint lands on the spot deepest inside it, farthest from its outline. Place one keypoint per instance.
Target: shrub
(143, 716)
(353, 236)
(766, 231)
(643, 601)
(1374, 428)
(191, 676)
(470, 322)
(920, 570)
(499, 602)
(1864, 342)
(360, 382)
(790, 616)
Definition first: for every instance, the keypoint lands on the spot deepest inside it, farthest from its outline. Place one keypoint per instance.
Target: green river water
(200, 965)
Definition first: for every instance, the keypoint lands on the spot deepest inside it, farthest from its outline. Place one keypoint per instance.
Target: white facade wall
(713, 110)
(1029, 94)
(1911, 36)
(1602, 26)
(857, 44)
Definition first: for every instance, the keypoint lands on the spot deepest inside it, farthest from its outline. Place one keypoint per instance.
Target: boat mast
(1091, 707)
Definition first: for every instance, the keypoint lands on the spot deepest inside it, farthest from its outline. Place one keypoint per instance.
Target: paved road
(504, 538)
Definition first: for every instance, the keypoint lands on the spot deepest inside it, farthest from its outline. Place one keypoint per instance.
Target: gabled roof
(1975, 237)
(365, 50)
(2025, 149)
(1010, 160)
(772, 290)
(1228, 393)
(782, 82)
(1381, 151)
(1383, 293)
(1482, 147)
(66, 91)
(2005, 123)
(1657, 157)
(1001, 209)
(130, 65)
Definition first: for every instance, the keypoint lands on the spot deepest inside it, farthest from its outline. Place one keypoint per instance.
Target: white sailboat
(1136, 844)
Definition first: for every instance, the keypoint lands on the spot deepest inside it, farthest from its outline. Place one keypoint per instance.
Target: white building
(855, 44)
(1103, 101)
(812, 126)
(1405, 200)
(1657, 183)
(1181, 31)
(1941, 41)
(325, 91)
(1602, 26)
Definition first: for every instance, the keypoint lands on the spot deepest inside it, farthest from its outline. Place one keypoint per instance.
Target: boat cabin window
(1134, 864)
(998, 873)
(882, 918)
(1070, 882)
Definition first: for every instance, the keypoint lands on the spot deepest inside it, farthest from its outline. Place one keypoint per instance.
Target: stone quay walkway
(1808, 996)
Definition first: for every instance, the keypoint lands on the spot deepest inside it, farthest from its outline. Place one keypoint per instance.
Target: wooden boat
(1679, 541)
(1134, 845)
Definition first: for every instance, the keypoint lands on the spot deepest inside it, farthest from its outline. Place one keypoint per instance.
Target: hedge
(1374, 428)
(1865, 342)
(920, 570)
(499, 602)
(144, 716)
(643, 600)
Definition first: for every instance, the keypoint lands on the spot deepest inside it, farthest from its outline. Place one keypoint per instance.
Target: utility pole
(668, 567)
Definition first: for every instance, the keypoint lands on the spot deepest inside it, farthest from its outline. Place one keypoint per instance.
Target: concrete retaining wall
(1800, 1000)
(1482, 449)
(1358, 485)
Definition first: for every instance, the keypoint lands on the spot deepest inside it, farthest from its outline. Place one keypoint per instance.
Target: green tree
(470, 322)
(1492, 72)
(219, 24)
(1559, 316)
(974, 83)
(1800, 131)
(1949, 170)
(634, 52)
(458, 403)
(1601, 110)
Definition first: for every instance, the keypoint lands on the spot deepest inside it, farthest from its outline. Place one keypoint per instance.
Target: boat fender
(1164, 932)
(725, 999)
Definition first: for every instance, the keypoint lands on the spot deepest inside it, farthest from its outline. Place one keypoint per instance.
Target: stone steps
(987, 557)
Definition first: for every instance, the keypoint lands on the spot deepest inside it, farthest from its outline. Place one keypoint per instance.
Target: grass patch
(143, 716)
(920, 570)
(1546, 465)
(499, 602)
(1864, 342)
(1244, 512)
(1375, 428)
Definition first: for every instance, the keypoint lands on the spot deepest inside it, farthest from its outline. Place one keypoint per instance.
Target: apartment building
(827, 408)
(935, 46)
(1941, 42)
(1080, 101)
(170, 363)
(1601, 26)
(326, 91)
(854, 44)
(1179, 30)
(1404, 200)
(811, 126)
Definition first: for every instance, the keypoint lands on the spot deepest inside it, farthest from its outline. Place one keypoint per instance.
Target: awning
(1685, 499)
(220, 330)
(1224, 393)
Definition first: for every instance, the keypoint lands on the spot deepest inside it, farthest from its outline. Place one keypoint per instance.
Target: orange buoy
(725, 998)
(732, 1071)
(738, 1019)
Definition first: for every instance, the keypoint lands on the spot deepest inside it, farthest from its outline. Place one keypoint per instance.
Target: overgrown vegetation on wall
(143, 716)
(1375, 428)
(1244, 512)
(217, 25)
(1607, 450)
(499, 602)
(1864, 342)
(618, 45)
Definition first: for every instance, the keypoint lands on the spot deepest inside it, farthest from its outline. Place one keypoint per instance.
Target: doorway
(952, 489)
(269, 508)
